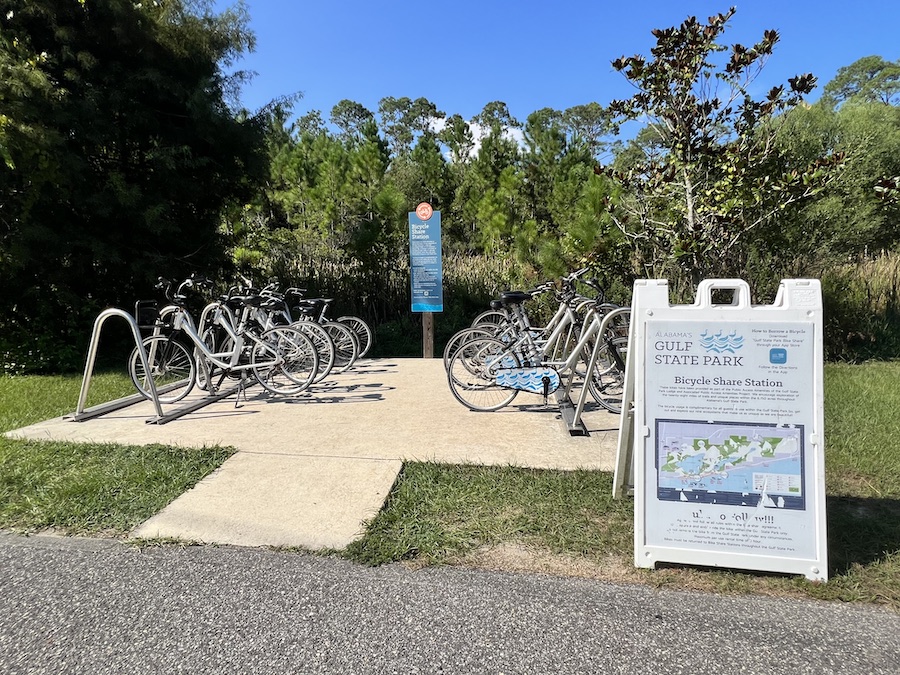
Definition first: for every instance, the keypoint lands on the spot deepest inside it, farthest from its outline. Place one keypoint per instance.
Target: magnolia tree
(705, 176)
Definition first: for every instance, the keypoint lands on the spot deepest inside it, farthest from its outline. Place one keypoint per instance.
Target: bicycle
(317, 309)
(281, 359)
(487, 373)
(346, 342)
(274, 311)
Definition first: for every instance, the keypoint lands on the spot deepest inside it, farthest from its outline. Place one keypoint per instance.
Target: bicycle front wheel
(284, 361)
(472, 374)
(171, 367)
(607, 381)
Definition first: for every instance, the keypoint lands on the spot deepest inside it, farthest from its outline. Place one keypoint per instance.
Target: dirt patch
(517, 557)
(530, 559)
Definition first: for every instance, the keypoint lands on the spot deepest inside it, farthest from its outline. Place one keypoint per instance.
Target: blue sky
(530, 54)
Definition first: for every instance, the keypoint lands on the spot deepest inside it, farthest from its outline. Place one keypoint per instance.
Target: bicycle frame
(223, 317)
(562, 330)
(593, 326)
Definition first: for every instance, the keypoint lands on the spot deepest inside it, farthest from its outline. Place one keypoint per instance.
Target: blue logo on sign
(778, 356)
(721, 343)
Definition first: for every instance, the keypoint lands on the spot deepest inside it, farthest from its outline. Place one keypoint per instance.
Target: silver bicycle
(282, 359)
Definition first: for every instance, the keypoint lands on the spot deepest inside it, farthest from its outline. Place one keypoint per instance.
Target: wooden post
(428, 335)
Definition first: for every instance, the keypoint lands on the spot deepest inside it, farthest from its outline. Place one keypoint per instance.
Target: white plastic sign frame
(728, 435)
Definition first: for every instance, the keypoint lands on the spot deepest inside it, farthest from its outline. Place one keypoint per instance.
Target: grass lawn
(561, 522)
(85, 488)
(567, 522)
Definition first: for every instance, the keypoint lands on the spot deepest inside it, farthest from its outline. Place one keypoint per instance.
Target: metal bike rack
(81, 414)
(572, 413)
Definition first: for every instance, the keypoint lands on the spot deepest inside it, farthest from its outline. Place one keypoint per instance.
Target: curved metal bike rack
(571, 415)
(81, 414)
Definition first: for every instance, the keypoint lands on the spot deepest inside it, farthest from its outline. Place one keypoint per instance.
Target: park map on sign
(730, 463)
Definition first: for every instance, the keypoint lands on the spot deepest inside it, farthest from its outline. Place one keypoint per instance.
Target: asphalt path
(70, 605)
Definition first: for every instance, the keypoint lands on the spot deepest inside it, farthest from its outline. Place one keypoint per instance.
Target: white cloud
(479, 133)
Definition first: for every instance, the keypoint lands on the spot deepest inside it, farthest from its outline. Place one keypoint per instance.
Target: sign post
(426, 271)
(727, 440)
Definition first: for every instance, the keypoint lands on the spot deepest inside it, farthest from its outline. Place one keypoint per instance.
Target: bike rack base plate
(567, 410)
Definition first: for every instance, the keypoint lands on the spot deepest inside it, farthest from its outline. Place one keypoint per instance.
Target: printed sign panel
(426, 271)
(728, 453)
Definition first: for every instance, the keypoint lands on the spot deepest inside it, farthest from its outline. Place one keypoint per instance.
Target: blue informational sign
(425, 264)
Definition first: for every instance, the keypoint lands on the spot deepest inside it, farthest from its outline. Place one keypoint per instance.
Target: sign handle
(740, 299)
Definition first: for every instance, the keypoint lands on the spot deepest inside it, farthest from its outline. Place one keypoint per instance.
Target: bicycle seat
(249, 300)
(272, 303)
(514, 297)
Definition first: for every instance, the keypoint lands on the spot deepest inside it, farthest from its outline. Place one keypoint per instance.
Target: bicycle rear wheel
(491, 318)
(172, 369)
(462, 337)
(284, 361)
(472, 374)
(360, 328)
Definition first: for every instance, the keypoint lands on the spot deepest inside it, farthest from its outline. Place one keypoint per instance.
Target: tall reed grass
(862, 308)
(861, 296)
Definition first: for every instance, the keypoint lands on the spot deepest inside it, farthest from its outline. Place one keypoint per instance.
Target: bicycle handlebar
(575, 275)
(540, 288)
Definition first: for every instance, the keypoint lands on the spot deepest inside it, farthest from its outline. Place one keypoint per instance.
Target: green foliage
(119, 152)
(862, 309)
(850, 216)
(712, 174)
(870, 79)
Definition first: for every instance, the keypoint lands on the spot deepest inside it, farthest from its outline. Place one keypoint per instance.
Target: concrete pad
(382, 409)
(278, 500)
(311, 468)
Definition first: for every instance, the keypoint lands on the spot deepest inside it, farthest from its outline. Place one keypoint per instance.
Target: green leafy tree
(424, 175)
(853, 215)
(119, 151)
(403, 119)
(692, 207)
(869, 79)
(311, 123)
(495, 117)
(496, 154)
(457, 136)
(589, 124)
(351, 117)
(545, 152)
(500, 218)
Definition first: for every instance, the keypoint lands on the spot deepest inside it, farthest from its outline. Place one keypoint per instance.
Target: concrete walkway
(310, 470)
